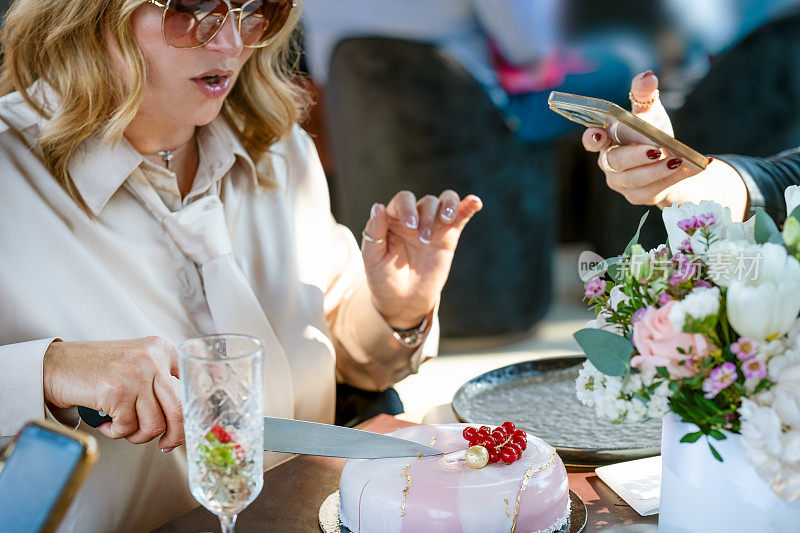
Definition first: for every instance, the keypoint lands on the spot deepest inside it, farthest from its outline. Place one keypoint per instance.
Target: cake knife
(311, 438)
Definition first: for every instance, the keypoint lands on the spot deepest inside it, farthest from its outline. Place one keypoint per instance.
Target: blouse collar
(98, 169)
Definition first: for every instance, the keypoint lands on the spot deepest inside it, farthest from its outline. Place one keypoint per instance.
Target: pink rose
(657, 343)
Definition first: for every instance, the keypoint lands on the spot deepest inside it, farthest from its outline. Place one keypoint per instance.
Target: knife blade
(312, 438)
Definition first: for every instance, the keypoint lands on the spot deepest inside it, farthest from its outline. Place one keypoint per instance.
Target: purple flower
(663, 299)
(684, 269)
(689, 225)
(638, 314)
(706, 220)
(662, 252)
(744, 348)
(754, 368)
(719, 379)
(703, 283)
(686, 247)
(596, 287)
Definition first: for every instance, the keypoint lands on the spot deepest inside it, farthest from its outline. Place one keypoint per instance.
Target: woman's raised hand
(134, 381)
(646, 174)
(408, 248)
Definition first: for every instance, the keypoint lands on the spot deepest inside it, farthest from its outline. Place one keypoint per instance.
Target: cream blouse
(119, 276)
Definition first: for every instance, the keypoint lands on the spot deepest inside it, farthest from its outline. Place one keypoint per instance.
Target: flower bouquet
(704, 332)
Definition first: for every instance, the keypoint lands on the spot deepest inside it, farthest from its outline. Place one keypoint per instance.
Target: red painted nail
(653, 153)
(597, 137)
(672, 164)
(710, 159)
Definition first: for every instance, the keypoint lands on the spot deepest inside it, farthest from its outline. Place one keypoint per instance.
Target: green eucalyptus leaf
(608, 352)
(795, 213)
(765, 229)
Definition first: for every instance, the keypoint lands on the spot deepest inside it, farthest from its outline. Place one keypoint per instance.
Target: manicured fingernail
(653, 153)
(597, 137)
(166, 450)
(373, 211)
(710, 160)
(425, 235)
(672, 164)
(448, 214)
(648, 73)
(411, 222)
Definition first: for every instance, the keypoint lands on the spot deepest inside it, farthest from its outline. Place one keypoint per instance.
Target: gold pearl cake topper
(477, 457)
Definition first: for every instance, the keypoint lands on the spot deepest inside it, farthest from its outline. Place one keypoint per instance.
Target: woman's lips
(213, 86)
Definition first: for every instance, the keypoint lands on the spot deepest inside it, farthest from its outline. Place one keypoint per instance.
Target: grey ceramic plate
(540, 397)
(329, 515)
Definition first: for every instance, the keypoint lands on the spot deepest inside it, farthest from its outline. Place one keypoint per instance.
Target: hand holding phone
(597, 113)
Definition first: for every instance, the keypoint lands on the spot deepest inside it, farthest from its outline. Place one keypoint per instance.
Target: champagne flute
(223, 413)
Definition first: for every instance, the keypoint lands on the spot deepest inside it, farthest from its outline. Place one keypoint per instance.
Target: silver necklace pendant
(167, 156)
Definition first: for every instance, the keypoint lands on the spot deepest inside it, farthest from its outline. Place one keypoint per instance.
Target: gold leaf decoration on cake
(409, 481)
(524, 486)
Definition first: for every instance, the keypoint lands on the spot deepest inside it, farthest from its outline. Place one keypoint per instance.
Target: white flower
(698, 304)
(765, 305)
(615, 297)
(676, 236)
(771, 434)
(781, 361)
(614, 398)
(731, 259)
(786, 397)
(792, 196)
(740, 231)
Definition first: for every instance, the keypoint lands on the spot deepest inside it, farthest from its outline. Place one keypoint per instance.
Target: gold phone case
(89, 445)
(597, 113)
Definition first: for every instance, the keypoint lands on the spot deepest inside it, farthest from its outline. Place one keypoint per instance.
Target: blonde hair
(61, 43)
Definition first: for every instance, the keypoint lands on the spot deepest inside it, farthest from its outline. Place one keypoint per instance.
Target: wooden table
(294, 491)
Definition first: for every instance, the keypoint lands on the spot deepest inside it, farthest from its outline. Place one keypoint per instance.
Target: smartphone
(597, 113)
(40, 472)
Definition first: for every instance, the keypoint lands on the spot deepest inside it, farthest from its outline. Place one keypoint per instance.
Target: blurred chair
(748, 102)
(403, 115)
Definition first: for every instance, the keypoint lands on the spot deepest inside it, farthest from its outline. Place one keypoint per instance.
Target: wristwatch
(411, 338)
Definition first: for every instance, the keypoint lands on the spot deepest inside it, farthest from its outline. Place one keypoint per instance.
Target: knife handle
(92, 417)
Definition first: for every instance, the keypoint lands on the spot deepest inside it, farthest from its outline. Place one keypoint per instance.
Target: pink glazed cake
(443, 494)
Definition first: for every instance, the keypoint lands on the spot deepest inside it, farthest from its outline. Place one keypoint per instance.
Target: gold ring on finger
(604, 161)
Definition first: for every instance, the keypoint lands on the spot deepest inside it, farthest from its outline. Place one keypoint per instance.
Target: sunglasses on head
(192, 23)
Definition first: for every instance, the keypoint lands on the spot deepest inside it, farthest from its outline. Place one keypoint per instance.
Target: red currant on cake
(470, 433)
(486, 445)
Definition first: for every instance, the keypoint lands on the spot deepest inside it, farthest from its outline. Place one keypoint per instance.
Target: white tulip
(766, 302)
(792, 195)
(728, 260)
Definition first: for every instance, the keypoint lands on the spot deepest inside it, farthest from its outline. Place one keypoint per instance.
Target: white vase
(700, 494)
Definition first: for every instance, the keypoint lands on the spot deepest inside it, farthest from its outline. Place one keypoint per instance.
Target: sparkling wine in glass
(223, 412)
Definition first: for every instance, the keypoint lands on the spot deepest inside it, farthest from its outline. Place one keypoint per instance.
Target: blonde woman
(154, 186)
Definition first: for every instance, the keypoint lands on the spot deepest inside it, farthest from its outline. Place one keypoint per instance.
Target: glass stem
(227, 522)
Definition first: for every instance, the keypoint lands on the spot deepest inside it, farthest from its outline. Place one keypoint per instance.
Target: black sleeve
(766, 178)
